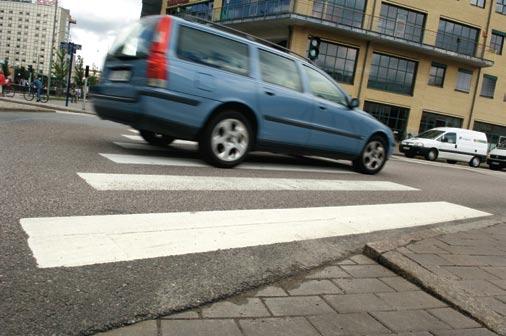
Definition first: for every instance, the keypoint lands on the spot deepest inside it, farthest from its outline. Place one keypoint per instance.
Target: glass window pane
(321, 87)
(279, 70)
(342, 68)
(393, 74)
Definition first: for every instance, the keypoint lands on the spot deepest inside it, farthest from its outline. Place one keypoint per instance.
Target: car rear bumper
(151, 109)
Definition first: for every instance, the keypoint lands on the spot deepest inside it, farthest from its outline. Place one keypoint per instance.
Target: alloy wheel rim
(229, 140)
(374, 155)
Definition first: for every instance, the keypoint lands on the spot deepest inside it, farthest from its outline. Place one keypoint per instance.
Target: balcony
(257, 16)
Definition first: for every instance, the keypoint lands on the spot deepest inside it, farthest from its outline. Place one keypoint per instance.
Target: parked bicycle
(9, 90)
(31, 93)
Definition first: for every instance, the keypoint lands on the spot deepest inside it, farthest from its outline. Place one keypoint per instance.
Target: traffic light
(314, 48)
(87, 72)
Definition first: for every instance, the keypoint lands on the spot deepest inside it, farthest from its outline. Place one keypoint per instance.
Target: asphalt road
(41, 155)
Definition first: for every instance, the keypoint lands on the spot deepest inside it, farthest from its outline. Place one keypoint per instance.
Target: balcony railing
(346, 18)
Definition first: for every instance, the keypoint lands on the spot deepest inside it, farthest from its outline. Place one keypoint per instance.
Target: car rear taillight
(157, 60)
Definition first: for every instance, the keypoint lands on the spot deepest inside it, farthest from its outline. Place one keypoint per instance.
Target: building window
(493, 132)
(497, 42)
(239, 9)
(464, 80)
(488, 86)
(457, 37)
(338, 61)
(394, 117)
(400, 22)
(437, 74)
(432, 120)
(392, 74)
(345, 12)
(202, 10)
(501, 6)
(478, 3)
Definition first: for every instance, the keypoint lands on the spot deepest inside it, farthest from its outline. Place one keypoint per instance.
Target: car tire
(431, 155)
(451, 161)
(409, 155)
(226, 139)
(156, 139)
(373, 157)
(475, 162)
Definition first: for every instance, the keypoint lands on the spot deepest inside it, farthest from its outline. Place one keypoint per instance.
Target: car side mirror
(354, 103)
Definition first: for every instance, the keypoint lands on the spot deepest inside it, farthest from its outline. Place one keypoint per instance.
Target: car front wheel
(226, 140)
(373, 157)
(431, 155)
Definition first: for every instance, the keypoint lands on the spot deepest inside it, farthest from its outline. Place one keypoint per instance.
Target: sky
(97, 24)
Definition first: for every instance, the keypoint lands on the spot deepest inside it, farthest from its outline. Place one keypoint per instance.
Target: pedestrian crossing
(96, 239)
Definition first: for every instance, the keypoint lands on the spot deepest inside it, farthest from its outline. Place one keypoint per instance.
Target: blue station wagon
(172, 78)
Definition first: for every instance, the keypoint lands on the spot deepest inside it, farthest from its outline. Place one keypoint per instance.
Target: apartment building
(414, 64)
(26, 32)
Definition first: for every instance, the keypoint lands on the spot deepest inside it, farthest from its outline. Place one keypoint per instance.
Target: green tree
(21, 72)
(60, 70)
(79, 72)
(93, 79)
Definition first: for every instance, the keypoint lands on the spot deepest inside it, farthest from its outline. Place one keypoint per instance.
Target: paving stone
(355, 303)
(441, 272)
(499, 283)
(428, 259)
(240, 307)
(147, 328)
(297, 305)
(501, 298)
(497, 271)
(329, 272)
(295, 326)
(368, 271)
(410, 320)
(399, 284)
(361, 259)
(199, 328)
(454, 318)
(313, 287)
(346, 324)
(190, 314)
(496, 305)
(271, 291)
(469, 273)
(423, 333)
(356, 286)
(345, 262)
(411, 300)
(464, 260)
(465, 332)
(480, 288)
(429, 246)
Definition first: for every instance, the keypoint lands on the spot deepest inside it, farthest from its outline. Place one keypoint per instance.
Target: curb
(43, 106)
(444, 289)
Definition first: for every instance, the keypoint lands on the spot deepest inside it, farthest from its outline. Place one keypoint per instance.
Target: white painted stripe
(180, 162)
(75, 113)
(105, 182)
(188, 145)
(133, 130)
(133, 137)
(79, 241)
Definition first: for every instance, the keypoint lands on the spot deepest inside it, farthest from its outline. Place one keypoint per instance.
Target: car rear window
(134, 41)
(213, 50)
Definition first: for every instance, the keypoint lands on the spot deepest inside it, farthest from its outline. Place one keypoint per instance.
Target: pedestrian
(78, 94)
(38, 86)
(2, 82)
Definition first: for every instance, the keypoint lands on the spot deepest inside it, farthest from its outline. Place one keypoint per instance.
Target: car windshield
(432, 134)
(134, 41)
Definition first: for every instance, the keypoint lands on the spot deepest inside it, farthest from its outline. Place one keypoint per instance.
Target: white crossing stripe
(79, 241)
(188, 145)
(133, 137)
(186, 162)
(76, 114)
(105, 182)
(133, 130)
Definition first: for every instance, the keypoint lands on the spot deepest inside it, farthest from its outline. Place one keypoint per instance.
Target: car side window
(279, 70)
(449, 138)
(321, 87)
(216, 51)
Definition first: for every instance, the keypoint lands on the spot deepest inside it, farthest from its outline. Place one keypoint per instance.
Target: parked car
(450, 144)
(497, 157)
(172, 78)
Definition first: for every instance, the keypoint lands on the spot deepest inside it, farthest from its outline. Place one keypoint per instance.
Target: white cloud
(97, 24)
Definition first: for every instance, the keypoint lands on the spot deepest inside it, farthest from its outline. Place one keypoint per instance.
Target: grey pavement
(353, 297)
(19, 104)
(467, 269)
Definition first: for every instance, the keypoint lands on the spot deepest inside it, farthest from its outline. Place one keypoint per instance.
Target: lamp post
(52, 49)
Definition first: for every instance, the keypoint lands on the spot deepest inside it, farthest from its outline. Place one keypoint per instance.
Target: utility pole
(52, 49)
(71, 50)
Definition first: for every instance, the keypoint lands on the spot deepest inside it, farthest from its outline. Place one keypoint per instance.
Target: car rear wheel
(156, 139)
(431, 155)
(226, 140)
(373, 157)
(475, 162)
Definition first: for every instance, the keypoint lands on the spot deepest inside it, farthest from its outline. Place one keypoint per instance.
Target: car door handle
(269, 93)
(323, 107)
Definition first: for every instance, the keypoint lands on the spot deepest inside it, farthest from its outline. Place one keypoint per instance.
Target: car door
(286, 110)
(448, 146)
(333, 122)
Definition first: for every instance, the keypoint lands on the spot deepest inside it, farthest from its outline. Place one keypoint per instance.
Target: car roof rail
(240, 33)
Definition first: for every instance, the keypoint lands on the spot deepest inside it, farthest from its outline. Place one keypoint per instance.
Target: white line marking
(133, 130)
(75, 113)
(133, 137)
(79, 241)
(105, 182)
(188, 145)
(179, 162)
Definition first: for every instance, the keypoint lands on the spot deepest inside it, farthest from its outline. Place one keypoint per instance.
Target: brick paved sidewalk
(353, 297)
(466, 268)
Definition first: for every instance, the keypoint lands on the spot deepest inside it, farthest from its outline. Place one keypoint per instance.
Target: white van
(450, 144)
(497, 157)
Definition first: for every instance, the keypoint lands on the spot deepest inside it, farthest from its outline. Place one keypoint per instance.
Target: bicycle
(32, 93)
(9, 90)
